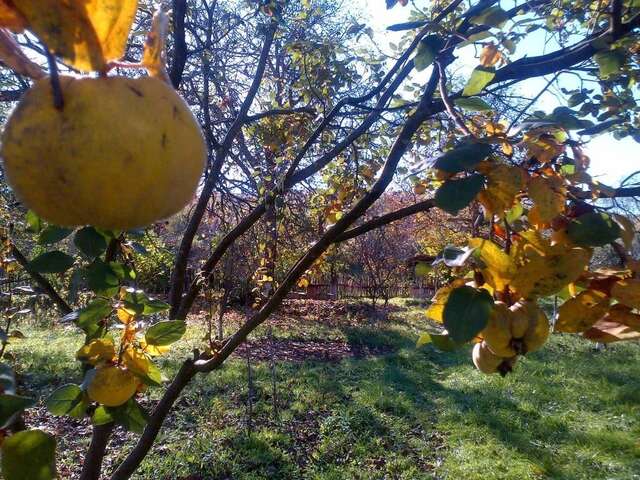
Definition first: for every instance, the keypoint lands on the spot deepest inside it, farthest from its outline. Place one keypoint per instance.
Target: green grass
(566, 412)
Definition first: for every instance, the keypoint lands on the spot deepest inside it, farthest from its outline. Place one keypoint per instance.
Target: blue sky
(611, 160)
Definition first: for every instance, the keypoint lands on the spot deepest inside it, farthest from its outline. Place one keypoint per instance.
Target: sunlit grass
(567, 412)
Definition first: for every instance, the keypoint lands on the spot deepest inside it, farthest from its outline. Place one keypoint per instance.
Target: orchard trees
(295, 100)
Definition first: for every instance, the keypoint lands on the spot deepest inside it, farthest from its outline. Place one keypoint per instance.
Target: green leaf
(463, 157)
(153, 305)
(139, 302)
(491, 17)
(29, 454)
(427, 50)
(423, 269)
(94, 311)
(480, 78)
(90, 242)
(165, 332)
(34, 222)
(152, 377)
(399, 27)
(101, 278)
(53, 234)
(51, 262)
(424, 339)
(130, 415)
(455, 194)
(466, 312)
(566, 118)
(515, 213)
(593, 229)
(610, 63)
(101, 416)
(65, 400)
(474, 104)
(10, 405)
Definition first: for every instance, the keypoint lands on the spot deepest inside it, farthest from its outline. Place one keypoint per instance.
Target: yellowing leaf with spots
(504, 182)
(549, 196)
(86, 33)
(579, 313)
(529, 243)
(499, 267)
(543, 148)
(112, 386)
(439, 300)
(546, 274)
(627, 292)
(98, 351)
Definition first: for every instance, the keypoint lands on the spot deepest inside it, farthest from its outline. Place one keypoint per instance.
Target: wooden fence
(339, 290)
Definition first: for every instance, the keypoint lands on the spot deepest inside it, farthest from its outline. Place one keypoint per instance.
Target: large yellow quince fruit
(112, 386)
(516, 330)
(121, 153)
(488, 362)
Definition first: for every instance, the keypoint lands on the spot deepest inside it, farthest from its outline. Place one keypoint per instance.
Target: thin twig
(54, 78)
(459, 121)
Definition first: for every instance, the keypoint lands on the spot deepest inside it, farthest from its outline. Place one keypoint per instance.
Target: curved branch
(179, 8)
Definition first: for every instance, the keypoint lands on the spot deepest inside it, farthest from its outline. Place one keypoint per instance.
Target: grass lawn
(366, 404)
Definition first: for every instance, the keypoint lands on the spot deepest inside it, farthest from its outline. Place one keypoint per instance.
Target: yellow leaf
(10, 18)
(546, 274)
(136, 362)
(154, 350)
(627, 292)
(627, 232)
(303, 282)
(112, 386)
(504, 182)
(439, 300)
(98, 351)
(579, 313)
(419, 188)
(548, 195)
(499, 269)
(86, 33)
(126, 315)
(490, 55)
(154, 47)
(543, 148)
(527, 244)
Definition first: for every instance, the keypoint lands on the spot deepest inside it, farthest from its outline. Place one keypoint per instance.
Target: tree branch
(279, 111)
(41, 281)
(385, 219)
(92, 466)
(179, 8)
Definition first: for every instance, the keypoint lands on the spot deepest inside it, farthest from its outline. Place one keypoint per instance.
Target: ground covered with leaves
(355, 399)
